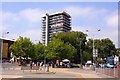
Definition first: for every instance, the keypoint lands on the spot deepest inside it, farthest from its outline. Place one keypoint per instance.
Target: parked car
(88, 64)
(66, 63)
(75, 65)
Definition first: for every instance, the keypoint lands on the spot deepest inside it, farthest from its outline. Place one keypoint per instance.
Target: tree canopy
(57, 49)
(76, 39)
(105, 48)
(22, 47)
(38, 52)
(64, 45)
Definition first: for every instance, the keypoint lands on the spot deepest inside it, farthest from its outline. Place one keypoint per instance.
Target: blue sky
(24, 18)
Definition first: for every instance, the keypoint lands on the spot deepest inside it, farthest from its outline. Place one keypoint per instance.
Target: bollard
(93, 68)
(47, 68)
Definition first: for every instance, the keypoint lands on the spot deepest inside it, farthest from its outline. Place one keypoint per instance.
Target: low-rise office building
(4, 46)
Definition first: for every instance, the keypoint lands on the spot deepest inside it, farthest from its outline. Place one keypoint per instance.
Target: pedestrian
(53, 64)
(31, 64)
(38, 63)
(57, 63)
(41, 64)
(61, 64)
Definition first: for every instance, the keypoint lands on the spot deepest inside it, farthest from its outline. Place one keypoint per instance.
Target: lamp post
(81, 54)
(94, 50)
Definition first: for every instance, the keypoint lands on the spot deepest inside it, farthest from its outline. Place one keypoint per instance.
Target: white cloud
(1, 30)
(27, 16)
(84, 11)
(32, 15)
(6, 18)
(1, 23)
(91, 31)
(113, 35)
(5, 28)
(33, 34)
(112, 20)
(9, 16)
(105, 33)
(0, 16)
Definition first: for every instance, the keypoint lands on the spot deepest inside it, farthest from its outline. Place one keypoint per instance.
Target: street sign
(95, 53)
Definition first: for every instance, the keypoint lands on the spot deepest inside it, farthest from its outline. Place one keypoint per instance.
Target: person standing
(53, 64)
(31, 64)
(61, 64)
(57, 63)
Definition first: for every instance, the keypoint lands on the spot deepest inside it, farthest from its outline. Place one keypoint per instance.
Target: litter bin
(47, 68)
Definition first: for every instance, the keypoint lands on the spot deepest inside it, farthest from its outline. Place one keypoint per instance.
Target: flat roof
(57, 13)
(7, 39)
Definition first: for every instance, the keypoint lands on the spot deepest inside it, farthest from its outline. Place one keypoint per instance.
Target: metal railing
(114, 72)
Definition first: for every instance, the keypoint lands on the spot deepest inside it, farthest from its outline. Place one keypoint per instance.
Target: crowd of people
(57, 63)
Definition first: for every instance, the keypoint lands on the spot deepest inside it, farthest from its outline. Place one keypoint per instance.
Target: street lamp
(94, 50)
(81, 54)
(37, 41)
(4, 34)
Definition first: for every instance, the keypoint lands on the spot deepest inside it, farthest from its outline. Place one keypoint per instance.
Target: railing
(114, 72)
(29, 68)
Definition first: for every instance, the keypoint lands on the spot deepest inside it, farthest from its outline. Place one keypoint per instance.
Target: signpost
(95, 55)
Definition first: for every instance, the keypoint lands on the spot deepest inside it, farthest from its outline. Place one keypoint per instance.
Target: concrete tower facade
(53, 23)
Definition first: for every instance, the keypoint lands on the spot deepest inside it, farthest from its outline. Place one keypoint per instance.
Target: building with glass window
(53, 23)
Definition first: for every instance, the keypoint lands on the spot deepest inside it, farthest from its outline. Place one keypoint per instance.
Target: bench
(29, 68)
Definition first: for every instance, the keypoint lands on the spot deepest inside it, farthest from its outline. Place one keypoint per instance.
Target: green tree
(52, 48)
(22, 47)
(38, 52)
(76, 39)
(105, 47)
(57, 49)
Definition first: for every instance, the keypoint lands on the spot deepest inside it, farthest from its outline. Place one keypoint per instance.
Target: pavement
(53, 73)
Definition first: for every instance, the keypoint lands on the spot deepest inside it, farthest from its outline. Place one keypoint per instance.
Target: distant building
(53, 23)
(5, 48)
